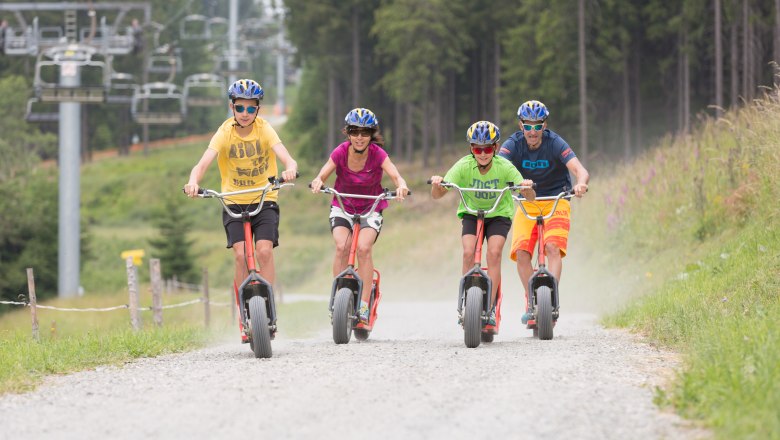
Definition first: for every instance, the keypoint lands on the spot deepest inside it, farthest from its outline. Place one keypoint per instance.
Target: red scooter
(542, 303)
(347, 287)
(474, 293)
(255, 297)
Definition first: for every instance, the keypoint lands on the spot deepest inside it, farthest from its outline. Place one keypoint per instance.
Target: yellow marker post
(136, 254)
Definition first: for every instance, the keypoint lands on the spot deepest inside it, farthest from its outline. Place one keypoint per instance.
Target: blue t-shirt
(546, 165)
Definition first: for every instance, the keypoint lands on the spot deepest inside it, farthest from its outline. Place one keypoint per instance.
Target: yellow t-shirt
(246, 162)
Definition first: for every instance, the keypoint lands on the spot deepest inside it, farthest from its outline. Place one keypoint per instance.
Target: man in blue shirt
(544, 157)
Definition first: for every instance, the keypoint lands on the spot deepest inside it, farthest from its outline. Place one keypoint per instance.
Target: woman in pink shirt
(360, 163)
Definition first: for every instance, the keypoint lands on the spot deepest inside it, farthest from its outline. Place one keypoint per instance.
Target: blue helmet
(245, 89)
(361, 117)
(483, 133)
(532, 111)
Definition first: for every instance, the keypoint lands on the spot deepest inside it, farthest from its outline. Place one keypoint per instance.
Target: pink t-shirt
(367, 181)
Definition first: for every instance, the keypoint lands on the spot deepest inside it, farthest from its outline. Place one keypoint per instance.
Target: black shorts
(265, 225)
(493, 226)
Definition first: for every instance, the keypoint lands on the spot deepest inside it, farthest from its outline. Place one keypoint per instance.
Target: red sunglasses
(486, 150)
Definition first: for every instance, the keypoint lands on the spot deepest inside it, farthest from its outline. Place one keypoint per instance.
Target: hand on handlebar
(529, 193)
(436, 180)
(580, 189)
(401, 192)
(289, 175)
(191, 189)
(316, 185)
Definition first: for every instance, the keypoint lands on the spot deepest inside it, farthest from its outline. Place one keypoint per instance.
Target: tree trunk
(476, 89)
(409, 135)
(398, 137)
(745, 51)
(497, 80)
(686, 84)
(734, 64)
(627, 147)
(355, 59)
(437, 132)
(718, 61)
(582, 82)
(330, 142)
(776, 45)
(637, 99)
(452, 105)
(425, 125)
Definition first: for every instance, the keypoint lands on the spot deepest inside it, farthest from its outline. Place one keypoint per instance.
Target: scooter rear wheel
(261, 335)
(544, 310)
(343, 307)
(472, 321)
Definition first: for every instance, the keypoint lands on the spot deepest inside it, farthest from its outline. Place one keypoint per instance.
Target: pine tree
(172, 246)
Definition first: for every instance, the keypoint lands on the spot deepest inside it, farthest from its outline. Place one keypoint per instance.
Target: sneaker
(492, 318)
(527, 316)
(363, 313)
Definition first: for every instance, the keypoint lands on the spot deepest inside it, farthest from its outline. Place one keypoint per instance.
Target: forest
(615, 74)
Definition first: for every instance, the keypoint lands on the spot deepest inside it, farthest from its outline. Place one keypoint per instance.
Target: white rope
(220, 304)
(104, 309)
(14, 303)
(186, 303)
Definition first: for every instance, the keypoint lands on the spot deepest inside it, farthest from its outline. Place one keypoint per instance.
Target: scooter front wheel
(343, 307)
(544, 312)
(472, 321)
(261, 335)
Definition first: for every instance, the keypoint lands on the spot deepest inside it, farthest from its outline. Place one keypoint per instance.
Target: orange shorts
(556, 228)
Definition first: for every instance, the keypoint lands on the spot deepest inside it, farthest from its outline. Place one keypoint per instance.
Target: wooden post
(154, 271)
(206, 306)
(132, 287)
(33, 303)
(175, 285)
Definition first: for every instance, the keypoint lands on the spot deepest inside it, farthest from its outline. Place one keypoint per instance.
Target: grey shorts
(340, 218)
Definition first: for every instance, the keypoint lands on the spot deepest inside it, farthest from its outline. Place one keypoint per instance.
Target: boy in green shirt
(483, 169)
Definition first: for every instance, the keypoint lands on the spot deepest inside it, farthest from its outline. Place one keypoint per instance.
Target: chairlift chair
(204, 90)
(121, 89)
(158, 103)
(35, 114)
(243, 64)
(20, 41)
(217, 27)
(164, 63)
(72, 59)
(194, 27)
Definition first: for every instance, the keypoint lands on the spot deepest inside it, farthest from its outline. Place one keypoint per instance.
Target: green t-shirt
(465, 173)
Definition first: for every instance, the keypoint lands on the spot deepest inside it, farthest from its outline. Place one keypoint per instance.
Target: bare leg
(525, 270)
(554, 260)
(342, 237)
(468, 241)
(240, 262)
(365, 260)
(495, 247)
(265, 259)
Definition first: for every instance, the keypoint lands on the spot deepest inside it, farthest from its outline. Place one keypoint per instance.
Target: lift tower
(70, 52)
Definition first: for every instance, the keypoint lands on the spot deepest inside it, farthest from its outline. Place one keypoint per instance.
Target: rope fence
(157, 307)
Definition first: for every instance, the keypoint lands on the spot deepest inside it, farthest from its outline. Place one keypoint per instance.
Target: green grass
(73, 341)
(24, 363)
(693, 228)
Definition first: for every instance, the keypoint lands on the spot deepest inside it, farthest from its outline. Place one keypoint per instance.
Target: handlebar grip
(281, 180)
(395, 193)
(201, 191)
(442, 182)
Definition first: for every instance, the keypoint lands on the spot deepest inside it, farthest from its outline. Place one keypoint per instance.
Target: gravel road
(413, 379)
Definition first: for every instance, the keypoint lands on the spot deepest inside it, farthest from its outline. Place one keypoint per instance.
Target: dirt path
(413, 379)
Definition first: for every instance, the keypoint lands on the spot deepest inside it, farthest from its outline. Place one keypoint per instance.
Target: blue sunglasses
(251, 109)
